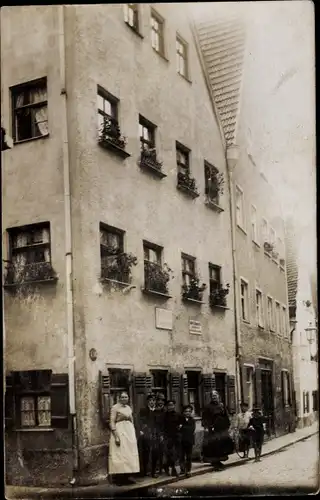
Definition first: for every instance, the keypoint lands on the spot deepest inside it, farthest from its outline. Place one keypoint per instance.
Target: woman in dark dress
(217, 444)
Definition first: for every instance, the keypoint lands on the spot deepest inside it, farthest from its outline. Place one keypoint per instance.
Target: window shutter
(283, 388)
(290, 389)
(142, 384)
(184, 387)
(9, 403)
(44, 380)
(104, 396)
(59, 400)
(231, 394)
(208, 384)
(175, 389)
(304, 401)
(307, 402)
(257, 386)
(245, 395)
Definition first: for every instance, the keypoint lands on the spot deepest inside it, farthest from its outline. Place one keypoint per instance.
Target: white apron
(123, 459)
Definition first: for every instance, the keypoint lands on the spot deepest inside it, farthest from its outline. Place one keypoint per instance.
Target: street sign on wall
(195, 327)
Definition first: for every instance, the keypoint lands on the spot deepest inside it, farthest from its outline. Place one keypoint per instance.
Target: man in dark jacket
(187, 430)
(160, 412)
(149, 437)
(171, 425)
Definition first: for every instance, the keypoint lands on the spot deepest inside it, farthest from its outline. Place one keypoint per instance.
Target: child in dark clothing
(171, 422)
(256, 426)
(187, 429)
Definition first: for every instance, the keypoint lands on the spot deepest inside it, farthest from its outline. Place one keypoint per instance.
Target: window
(188, 269)
(160, 382)
(249, 385)
(315, 401)
(285, 388)
(214, 277)
(30, 257)
(155, 276)
(107, 109)
(194, 390)
(306, 402)
(147, 134)
(254, 227)
(270, 313)
(119, 382)
(272, 237)
(111, 247)
(239, 207)
(131, 15)
(284, 322)
(182, 57)
(30, 110)
(278, 318)
(264, 230)
(244, 297)
(281, 251)
(157, 33)
(182, 156)
(259, 308)
(152, 253)
(213, 182)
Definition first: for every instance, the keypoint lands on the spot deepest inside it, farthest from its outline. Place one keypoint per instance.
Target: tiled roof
(292, 266)
(222, 43)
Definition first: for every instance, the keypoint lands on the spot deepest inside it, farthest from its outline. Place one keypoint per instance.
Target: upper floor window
(270, 313)
(182, 155)
(214, 277)
(264, 230)
(278, 318)
(188, 269)
(182, 57)
(259, 307)
(156, 275)
(110, 136)
(30, 110)
(107, 108)
(244, 298)
(239, 207)
(30, 254)
(284, 322)
(147, 134)
(131, 15)
(285, 379)
(272, 237)
(254, 227)
(111, 246)
(157, 32)
(213, 183)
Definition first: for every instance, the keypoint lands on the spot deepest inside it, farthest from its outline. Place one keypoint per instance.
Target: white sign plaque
(163, 319)
(195, 327)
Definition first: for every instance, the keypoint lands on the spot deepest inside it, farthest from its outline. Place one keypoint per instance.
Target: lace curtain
(40, 114)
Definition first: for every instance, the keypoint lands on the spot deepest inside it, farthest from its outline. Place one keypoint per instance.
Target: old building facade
(117, 173)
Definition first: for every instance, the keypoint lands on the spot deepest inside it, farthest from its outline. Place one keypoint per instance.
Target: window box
(282, 263)
(110, 137)
(218, 296)
(275, 255)
(38, 272)
(187, 184)
(156, 278)
(117, 267)
(268, 247)
(193, 291)
(149, 161)
(211, 204)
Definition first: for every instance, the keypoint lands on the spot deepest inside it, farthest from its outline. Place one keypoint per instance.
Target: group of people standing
(161, 438)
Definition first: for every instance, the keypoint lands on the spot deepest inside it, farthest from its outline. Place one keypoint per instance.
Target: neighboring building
(87, 285)
(264, 350)
(304, 328)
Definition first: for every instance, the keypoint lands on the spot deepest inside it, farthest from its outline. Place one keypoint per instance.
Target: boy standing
(242, 422)
(187, 430)
(256, 426)
(171, 423)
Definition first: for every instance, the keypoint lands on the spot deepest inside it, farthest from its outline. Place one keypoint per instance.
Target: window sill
(275, 261)
(28, 283)
(211, 204)
(225, 308)
(188, 191)
(282, 268)
(35, 429)
(109, 146)
(245, 321)
(116, 282)
(185, 77)
(148, 167)
(267, 254)
(194, 301)
(45, 136)
(256, 245)
(136, 31)
(147, 291)
(161, 55)
(242, 229)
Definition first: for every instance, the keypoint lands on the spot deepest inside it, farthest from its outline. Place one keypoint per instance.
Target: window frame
(184, 45)
(115, 390)
(147, 144)
(115, 231)
(286, 383)
(24, 87)
(254, 225)
(245, 299)
(156, 388)
(114, 106)
(271, 325)
(134, 8)
(155, 16)
(277, 318)
(240, 223)
(265, 230)
(259, 311)
(184, 151)
(217, 283)
(147, 245)
(284, 321)
(192, 274)
(208, 170)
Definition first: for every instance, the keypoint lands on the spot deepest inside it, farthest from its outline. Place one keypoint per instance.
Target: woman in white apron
(123, 449)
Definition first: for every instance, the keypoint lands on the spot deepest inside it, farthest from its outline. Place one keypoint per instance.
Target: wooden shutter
(59, 400)
(9, 403)
(175, 389)
(257, 386)
(231, 394)
(104, 396)
(208, 384)
(289, 389)
(184, 389)
(307, 402)
(43, 380)
(142, 385)
(304, 401)
(244, 392)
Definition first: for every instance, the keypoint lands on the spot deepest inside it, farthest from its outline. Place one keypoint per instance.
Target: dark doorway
(267, 399)
(221, 386)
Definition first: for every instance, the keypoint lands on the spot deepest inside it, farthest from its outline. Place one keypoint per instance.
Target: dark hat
(170, 401)
(160, 396)
(151, 396)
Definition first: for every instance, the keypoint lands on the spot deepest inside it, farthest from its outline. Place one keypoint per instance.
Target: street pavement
(293, 470)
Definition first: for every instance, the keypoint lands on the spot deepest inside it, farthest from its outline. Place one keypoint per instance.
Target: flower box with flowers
(111, 138)
(275, 255)
(193, 291)
(282, 262)
(117, 266)
(156, 278)
(36, 272)
(149, 161)
(218, 296)
(187, 184)
(268, 247)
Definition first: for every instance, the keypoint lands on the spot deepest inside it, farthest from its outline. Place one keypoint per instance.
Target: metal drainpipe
(68, 242)
(232, 159)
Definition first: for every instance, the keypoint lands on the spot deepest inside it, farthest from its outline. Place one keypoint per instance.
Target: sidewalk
(106, 490)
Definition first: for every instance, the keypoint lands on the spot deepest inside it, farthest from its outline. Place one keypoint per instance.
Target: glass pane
(154, 256)
(28, 417)
(100, 121)
(146, 253)
(108, 107)
(114, 240)
(38, 94)
(100, 102)
(44, 411)
(214, 274)
(131, 15)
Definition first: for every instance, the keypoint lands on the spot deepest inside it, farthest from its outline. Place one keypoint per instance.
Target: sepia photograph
(159, 250)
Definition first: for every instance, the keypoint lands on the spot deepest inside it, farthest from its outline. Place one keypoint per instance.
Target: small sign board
(163, 319)
(195, 327)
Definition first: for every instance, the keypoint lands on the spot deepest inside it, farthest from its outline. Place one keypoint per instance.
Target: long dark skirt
(217, 446)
